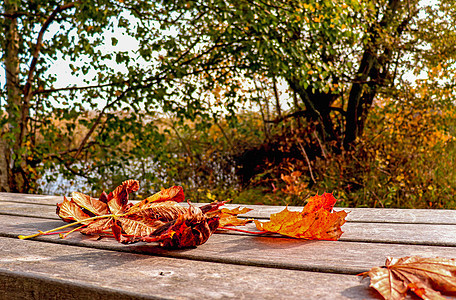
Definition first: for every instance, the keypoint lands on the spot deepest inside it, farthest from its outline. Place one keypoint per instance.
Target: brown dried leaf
(158, 218)
(165, 211)
(175, 193)
(426, 277)
(189, 230)
(212, 207)
(117, 199)
(236, 211)
(98, 226)
(69, 211)
(138, 227)
(93, 205)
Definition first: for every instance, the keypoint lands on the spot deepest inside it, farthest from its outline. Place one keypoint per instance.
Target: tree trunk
(14, 131)
(355, 106)
(4, 185)
(369, 77)
(318, 108)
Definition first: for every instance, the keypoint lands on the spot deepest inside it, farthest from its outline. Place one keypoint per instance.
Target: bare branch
(14, 15)
(76, 88)
(308, 162)
(301, 113)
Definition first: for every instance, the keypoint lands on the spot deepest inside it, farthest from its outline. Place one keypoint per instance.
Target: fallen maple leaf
(426, 277)
(317, 221)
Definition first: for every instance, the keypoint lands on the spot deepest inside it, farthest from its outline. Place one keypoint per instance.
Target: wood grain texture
(229, 265)
(45, 271)
(341, 257)
(413, 233)
(371, 215)
(31, 198)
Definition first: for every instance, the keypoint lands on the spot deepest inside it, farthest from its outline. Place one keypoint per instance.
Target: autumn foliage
(317, 221)
(426, 277)
(160, 218)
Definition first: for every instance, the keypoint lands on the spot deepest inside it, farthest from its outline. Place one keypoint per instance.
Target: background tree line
(245, 99)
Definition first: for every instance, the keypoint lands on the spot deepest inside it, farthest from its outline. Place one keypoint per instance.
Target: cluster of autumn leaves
(160, 218)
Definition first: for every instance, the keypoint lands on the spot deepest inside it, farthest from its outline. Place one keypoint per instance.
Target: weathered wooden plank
(30, 198)
(424, 234)
(322, 256)
(412, 234)
(28, 210)
(377, 215)
(31, 269)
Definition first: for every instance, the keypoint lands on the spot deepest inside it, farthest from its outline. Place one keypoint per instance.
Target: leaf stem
(241, 230)
(62, 236)
(23, 237)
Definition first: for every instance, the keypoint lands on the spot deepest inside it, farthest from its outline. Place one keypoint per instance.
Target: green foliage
(197, 97)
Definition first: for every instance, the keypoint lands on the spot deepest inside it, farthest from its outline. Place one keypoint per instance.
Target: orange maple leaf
(317, 221)
(228, 217)
(426, 277)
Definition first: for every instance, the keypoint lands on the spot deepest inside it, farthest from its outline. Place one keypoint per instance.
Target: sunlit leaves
(118, 198)
(426, 277)
(228, 217)
(93, 205)
(158, 218)
(69, 211)
(317, 221)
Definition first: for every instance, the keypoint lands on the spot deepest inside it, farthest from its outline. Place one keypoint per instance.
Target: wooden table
(229, 265)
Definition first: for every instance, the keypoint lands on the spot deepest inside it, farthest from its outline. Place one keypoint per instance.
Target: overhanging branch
(301, 113)
(36, 50)
(78, 88)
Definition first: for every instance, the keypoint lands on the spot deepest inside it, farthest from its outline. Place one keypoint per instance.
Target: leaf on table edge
(411, 273)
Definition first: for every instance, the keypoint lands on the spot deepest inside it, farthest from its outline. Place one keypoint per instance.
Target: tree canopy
(204, 61)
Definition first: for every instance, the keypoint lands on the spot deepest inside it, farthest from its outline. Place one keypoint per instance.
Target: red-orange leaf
(117, 199)
(175, 193)
(137, 227)
(189, 230)
(426, 277)
(98, 226)
(315, 222)
(317, 202)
